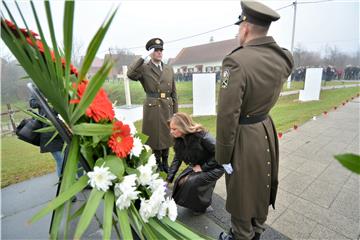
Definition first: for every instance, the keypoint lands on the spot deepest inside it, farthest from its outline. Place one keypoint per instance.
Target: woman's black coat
(195, 192)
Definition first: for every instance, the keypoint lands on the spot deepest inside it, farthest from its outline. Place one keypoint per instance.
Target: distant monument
(204, 94)
(312, 85)
(128, 111)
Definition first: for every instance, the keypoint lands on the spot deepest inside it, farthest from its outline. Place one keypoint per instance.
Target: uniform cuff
(223, 153)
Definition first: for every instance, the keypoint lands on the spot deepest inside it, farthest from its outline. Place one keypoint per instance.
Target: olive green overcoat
(252, 78)
(156, 111)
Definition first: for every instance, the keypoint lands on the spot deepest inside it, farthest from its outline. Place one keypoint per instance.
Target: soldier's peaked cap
(156, 43)
(257, 13)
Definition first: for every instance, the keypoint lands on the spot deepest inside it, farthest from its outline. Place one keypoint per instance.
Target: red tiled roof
(210, 52)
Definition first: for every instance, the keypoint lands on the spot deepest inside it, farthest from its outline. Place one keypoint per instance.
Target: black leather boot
(158, 154)
(164, 157)
(256, 237)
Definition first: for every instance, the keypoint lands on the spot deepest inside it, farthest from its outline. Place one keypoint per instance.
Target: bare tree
(77, 52)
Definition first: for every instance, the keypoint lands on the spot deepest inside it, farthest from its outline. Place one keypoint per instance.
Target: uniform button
(265, 137)
(268, 163)
(267, 186)
(268, 175)
(247, 116)
(267, 150)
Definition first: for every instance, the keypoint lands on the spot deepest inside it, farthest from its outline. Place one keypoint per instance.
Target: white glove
(147, 53)
(228, 168)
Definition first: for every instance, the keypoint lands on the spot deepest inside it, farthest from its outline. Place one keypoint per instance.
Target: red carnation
(280, 135)
(121, 142)
(100, 108)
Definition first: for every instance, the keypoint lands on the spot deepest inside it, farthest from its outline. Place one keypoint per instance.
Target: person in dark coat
(194, 146)
(55, 146)
(157, 79)
(246, 139)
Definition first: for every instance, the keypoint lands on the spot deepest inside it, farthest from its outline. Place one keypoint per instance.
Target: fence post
(10, 112)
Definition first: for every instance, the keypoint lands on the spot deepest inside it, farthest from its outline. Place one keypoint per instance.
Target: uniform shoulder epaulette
(236, 49)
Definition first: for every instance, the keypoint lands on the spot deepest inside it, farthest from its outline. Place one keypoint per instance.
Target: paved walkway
(317, 198)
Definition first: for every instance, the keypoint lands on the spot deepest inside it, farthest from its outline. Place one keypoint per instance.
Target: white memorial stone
(312, 85)
(204, 90)
(128, 112)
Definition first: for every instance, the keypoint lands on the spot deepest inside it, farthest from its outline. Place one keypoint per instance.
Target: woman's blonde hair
(185, 123)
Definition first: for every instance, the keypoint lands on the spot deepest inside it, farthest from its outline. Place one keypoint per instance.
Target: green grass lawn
(184, 90)
(21, 161)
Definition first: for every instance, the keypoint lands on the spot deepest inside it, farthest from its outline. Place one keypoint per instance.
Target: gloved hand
(147, 54)
(228, 168)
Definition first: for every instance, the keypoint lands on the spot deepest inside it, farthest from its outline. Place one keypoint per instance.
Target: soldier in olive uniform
(246, 143)
(160, 104)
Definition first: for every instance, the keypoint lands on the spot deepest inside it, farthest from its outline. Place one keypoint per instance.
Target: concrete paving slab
(292, 162)
(321, 232)
(321, 193)
(296, 183)
(25, 195)
(330, 219)
(347, 204)
(312, 168)
(285, 198)
(294, 225)
(352, 183)
(335, 174)
(274, 214)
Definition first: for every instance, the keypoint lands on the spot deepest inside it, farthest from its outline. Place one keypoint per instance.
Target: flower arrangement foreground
(123, 169)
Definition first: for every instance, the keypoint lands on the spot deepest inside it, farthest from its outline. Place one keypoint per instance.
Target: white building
(203, 58)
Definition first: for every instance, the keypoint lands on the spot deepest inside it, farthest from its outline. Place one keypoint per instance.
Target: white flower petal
(101, 178)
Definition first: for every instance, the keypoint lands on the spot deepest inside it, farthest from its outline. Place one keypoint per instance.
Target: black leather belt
(252, 119)
(158, 95)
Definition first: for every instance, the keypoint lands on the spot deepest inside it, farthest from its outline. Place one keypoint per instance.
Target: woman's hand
(197, 168)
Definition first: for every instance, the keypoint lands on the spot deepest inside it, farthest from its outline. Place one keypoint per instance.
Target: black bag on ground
(25, 131)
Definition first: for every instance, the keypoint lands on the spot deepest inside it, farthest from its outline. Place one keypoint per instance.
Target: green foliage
(350, 161)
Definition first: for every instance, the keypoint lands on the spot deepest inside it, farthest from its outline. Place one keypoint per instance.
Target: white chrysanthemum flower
(101, 178)
(163, 210)
(151, 161)
(147, 210)
(124, 200)
(126, 191)
(157, 183)
(137, 147)
(172, 210)
(146, 175)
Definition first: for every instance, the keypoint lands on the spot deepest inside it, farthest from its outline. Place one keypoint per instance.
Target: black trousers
(161, 157)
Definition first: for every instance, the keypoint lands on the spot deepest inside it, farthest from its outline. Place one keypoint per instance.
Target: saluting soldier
(160, 104)
(247, 145)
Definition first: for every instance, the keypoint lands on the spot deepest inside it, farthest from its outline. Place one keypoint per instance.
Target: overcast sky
(318, 23)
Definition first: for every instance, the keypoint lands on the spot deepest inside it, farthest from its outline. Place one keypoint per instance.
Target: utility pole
(292, 39)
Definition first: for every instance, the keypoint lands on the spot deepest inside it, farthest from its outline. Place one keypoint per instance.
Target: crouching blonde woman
(194, 146)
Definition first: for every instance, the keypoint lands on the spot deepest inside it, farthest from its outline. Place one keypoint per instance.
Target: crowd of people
(329, 73)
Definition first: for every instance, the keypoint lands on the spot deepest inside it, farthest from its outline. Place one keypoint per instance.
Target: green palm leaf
(89, 212)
